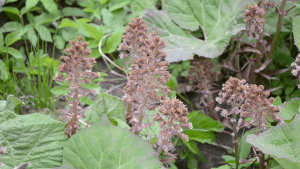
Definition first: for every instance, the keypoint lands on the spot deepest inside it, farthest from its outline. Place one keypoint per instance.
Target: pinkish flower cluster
(78, 68)
(254, 20)
(296, 68)
(249, 102)
(2, 149)
(172, 118)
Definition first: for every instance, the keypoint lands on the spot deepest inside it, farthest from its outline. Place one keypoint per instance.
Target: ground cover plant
(194, 84)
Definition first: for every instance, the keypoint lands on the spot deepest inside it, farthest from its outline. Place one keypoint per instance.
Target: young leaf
(109, 147)
(12, 102)
(138, 7)
(69, 11)
(59, 90)
(10, 26)
(114, 40)
(218, 19)
(114, 5)
(280, 141)
(1, 41)
(112, 106)
(13, 52)
(296, 31)
(14, 36)
(50, 6)
(33, 138)
(31, 36)
(277, 101)
(44, 33)
(3, 71)
(289, 109)
(10, 9)
(30, 4)
(67, 22)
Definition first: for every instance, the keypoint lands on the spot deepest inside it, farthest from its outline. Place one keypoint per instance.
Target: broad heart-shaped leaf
(217, 18)
(296, 31)
(282, 141)
(272, 17)
(33, 138)
(203, 127)
(109, 147)
(289, 109)
(107, 104)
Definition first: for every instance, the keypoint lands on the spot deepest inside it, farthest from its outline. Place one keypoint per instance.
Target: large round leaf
(109, 147)
(218, 20)
(33, 138)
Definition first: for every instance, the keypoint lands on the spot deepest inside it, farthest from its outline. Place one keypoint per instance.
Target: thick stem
(74, 121)
(278, 30)
(262, 161)
(235, 142)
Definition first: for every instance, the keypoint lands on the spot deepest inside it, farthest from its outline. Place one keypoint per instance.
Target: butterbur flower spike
(254, 20)
(78, 67)
(296, 68)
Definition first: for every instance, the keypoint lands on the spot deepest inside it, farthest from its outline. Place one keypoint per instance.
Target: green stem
(278, 30)
(186, 100)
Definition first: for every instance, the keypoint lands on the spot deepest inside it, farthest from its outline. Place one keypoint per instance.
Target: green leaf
(223, 167)
(114, 5)
(15, 53)
(244, 147)
(114, 40)
(192, 146)
(289, 109)
(1, 41)
(138, 7)
(12, 102)
(59, 90)
(50, 6)
(109, 147)
(296, 31)
(203, 127)
(33, 138)
(279, 141)
(172, 84)
(59, 42)
(14, 36)
(3, 71)
(107, 104)
(31, 36)
(45, 18)
(11, 26)
(286, 163)
(90, 29)
(69, 11)
(277, 101)
(217, 18)
(289, 90)
(44, 33)
(272, 17)
(192, 162)
(67, 22)
(86, 100)
(30, 4)
(10, 9)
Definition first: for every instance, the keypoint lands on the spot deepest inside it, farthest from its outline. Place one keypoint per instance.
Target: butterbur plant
(203, 76)
(78, 67)
(250, 108)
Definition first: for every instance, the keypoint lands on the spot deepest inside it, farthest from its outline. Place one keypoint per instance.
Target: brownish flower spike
(296, 68)
(78, 68)
(254, 20)
(171, 112)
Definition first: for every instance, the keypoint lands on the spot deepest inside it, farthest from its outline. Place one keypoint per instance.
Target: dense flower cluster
(134, 38)
(172, 118)
(149, 73)
(258, 107)
(2, 149)
(78, 68)
(248, 101)
(296, 68)
(254, 20)
(202, 72)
